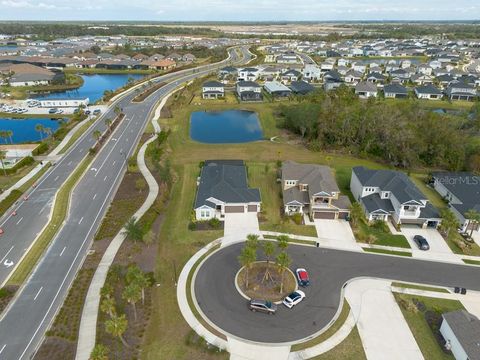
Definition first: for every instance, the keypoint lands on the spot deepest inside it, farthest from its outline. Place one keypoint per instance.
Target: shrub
(192, 226)
(214, 223)
(297, 218)
(380, 225)
(40, 149)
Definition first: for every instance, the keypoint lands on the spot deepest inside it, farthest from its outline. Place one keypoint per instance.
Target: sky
(239, 10)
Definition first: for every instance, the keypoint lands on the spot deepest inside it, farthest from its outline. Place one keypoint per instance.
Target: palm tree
(246, 258)
(252, 241)
(116, 326)
(283, 261)
(9, 133)
(449, 222)
(473, 217)
(117, 110)
(282, 242)
(96, 135)
(2, 157)
(356, 213)
(39, 128)
(136, 276)
(268, 250)
(108, 122)
(133, 230)
(4, 135)
(99, 352)
(108, 306)
(149, 238)
(132, 293)
(48, 132)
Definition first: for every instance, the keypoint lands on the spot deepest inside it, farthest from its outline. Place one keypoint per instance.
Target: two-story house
(312, 189)
(248, 74)
(213, 90)
(389, 195)
(462, 191)
(461, 91)
(249, 91)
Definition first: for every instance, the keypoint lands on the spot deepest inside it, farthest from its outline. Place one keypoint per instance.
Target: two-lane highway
(24, 325)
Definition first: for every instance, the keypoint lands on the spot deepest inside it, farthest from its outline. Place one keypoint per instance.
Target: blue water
(24, 129)
(93, 86)
(8, 47)
(221, 127)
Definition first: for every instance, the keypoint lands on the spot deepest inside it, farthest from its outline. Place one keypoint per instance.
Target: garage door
(234, 209)
(342, 215)
(252, 208)
(324, 215)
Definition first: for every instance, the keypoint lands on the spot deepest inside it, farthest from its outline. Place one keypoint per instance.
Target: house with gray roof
(461, 332)
(312, 189)
(277, 89)
(222, 189)
(461, 91)
(365, 90)
(462, 192)
(428, 92)
(389, 195)
(395, 91)
(213, 90)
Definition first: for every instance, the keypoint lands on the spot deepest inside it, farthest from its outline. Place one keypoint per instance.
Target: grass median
(60, 209)
(77, 135)
(387, 252)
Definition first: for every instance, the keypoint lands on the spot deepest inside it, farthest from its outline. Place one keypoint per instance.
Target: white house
(365, 90)
(213, 90)
(248, 74)
(428, 92)
(312, 72)
(249, 91)
(461, 332)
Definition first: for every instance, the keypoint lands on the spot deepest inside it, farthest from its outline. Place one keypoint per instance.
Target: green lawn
(471, 262)
(454, 242)
(432, 195)
(419, 287)
(349, 349)
(388, 252)
(382, 235)
(424, 336)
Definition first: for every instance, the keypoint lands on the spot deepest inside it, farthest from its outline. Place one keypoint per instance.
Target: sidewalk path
(88, 322)
(23, 180)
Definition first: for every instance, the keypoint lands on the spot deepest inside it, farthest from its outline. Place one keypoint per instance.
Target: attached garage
(234, 209)
(252, 208)
(324, 215)
(343, 215)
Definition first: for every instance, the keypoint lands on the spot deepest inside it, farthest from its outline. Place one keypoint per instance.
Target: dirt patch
(259, 288)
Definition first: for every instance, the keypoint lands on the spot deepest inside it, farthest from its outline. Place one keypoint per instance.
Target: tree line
(401, 133)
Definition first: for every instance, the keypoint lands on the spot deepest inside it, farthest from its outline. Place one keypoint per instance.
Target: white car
(294, 298)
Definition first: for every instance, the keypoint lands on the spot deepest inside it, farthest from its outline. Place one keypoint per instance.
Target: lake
(93, 86)
(24, 129)
(222, 127)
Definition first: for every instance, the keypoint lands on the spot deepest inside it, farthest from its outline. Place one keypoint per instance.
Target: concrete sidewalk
(23, 180)
(88, 322)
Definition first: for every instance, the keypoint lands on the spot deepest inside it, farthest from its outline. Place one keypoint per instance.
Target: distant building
(213, 90)
(249, 91)
(51, 103)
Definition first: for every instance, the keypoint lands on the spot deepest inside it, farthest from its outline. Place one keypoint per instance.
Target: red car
(302, 277)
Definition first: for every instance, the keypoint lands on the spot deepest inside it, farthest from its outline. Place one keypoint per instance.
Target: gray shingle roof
(225, 180)
(428, 89)
(213, 84)
(374, 203)
(466, 328)
(395, 89)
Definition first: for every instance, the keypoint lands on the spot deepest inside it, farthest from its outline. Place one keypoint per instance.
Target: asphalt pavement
(329, 270)
(24, 324)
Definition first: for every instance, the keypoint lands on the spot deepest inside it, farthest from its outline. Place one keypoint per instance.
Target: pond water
(222, 127)
(24, 129)
(93, 86)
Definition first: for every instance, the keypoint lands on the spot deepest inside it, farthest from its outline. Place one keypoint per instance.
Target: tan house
(312, 189)
(164, 64)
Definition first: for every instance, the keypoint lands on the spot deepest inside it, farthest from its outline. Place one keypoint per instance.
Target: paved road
(329, 270)
(23, 326)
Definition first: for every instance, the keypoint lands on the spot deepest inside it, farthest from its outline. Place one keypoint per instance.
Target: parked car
(262, 306)
(96, 112)
(421, 242)
(52, 111)
(302, 277)
(88, 112)
(294, 298)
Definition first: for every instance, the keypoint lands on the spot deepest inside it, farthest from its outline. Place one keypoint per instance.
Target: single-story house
(375, 77)
(164, 64)
(461, 91)
(353, 77)
(365, 90)
(461, 332)
(312, 189)
(395, 91)
(388, 195)
(276, 88)
(222, 189)
(462, 192)
(301, 87)
(428, 92)
(249, 91)
(30, 75)
(213, 90)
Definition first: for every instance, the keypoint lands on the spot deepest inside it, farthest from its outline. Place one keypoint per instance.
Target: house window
(290, 182)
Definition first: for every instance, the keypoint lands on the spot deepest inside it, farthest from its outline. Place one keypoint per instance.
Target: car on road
(262, 306)
(96, 112)
(294, 298)
(302, 277)
(421, 242)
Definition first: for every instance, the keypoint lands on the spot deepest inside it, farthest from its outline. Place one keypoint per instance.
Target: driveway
(439, 249)
(238, 226)
(336, 233)
(377, 312)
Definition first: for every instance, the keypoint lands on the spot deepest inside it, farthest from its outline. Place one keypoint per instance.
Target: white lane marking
(3, 348)
(63, 251)
(105, 178)
(56, 178)
(80, 221)
(69, 163)
(19, 221)
(38, 293)
(94, 196)
(113, 164)
(80, 150)
(8, 252)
